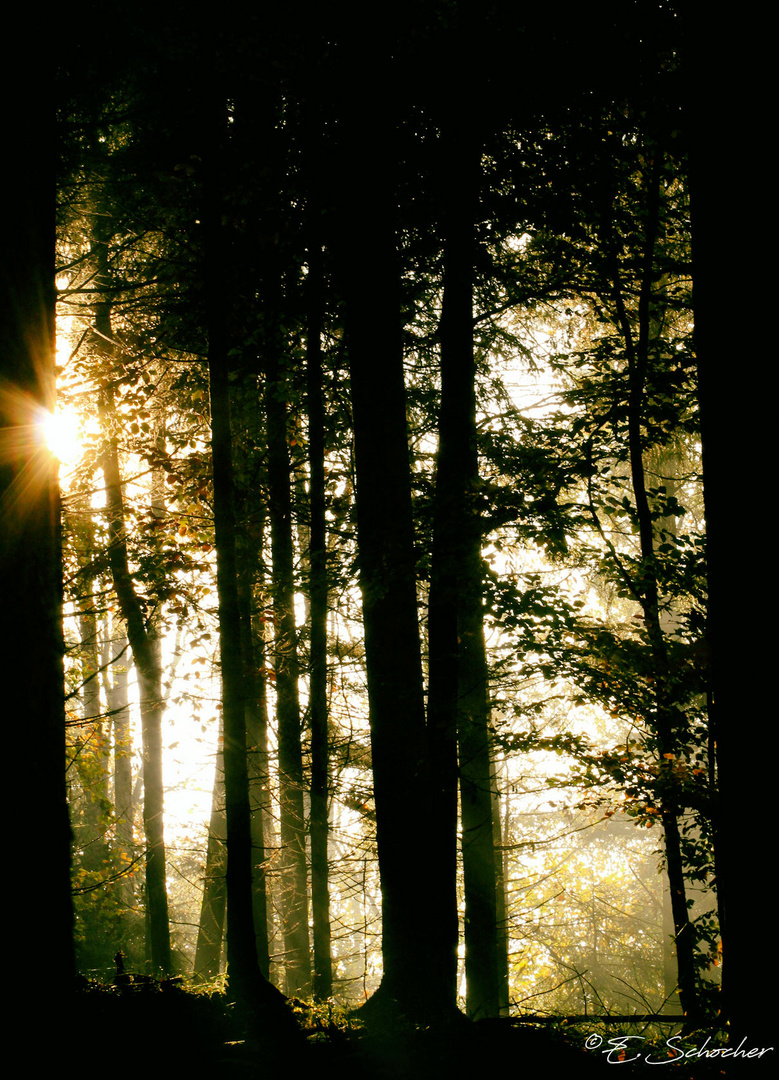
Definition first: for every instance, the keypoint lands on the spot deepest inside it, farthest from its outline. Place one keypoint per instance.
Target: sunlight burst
(61, 435)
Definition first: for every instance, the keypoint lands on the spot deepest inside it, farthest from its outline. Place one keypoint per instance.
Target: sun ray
(28, 463)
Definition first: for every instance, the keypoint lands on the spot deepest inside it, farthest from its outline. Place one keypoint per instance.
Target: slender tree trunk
(501, 897)
(448, 551)
(243, 971)
(646, 591)
(662, 462)
(320, 888)
(482, 958)
(244, 976)
(458, 702)
(208, 950)
(93, 734)
(250, 540)
(90, 674)
(294, 888)
(117, 702)
(444, 651)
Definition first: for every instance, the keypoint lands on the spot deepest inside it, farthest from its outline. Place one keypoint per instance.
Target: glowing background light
(60, 431)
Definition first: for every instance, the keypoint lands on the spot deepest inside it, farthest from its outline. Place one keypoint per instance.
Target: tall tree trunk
(243, 970)
(458, 701)
(734, 440)
(294, 887)
(386, 544)
(450, 548)
(661, 462)
(250, 541)
(244, 976)
(444, 640)
(317, 560)
(30, 554)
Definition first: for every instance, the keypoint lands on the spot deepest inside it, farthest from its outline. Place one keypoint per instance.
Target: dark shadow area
(156, 1029)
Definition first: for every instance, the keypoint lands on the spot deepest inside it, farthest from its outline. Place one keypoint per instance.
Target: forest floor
(150, 1030)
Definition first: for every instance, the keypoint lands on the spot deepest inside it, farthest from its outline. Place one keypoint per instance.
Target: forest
(379, 489)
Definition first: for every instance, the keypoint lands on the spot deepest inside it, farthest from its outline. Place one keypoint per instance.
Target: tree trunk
(208, 950)
(294, 887)
(243, 971)
(386, 545)
(458, 702)
(92, 737)
(666, 720)
(499, 842)
(30, 554)
(318, 712)
(117, 702)
(253, 647)
(244, 976)
(735, 447)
